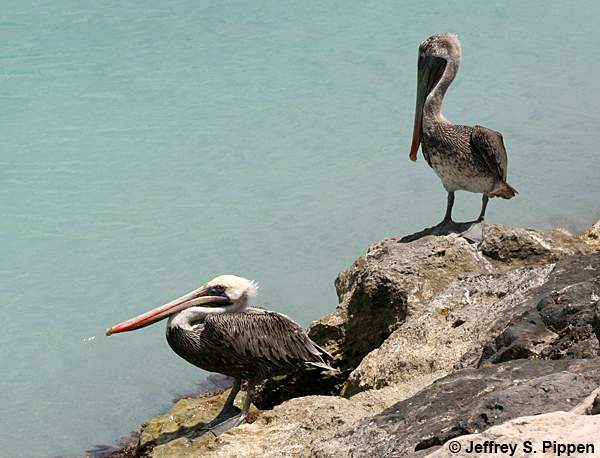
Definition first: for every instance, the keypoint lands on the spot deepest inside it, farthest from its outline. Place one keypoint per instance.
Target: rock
(467, 402)
(289, 429)
(385, 285)
(178, 431)
(560, 319)
(391, 280)
(592, 236)
(396, 280)
(451, 329)
(510, 247)
(541, 431)
(533, 312)
(382, 287)
(590, 405)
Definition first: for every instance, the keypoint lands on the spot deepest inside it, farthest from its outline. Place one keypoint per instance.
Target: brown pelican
(214, 328)
(464, 158)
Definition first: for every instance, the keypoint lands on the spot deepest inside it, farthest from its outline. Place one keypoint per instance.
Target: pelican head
(237, 289)
(226, 293)
(444, 46)
(435, 54)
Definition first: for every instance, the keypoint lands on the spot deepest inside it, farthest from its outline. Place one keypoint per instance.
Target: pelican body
(464, 157)
(215, 329)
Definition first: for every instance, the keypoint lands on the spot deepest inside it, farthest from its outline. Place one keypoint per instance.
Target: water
(149, 146)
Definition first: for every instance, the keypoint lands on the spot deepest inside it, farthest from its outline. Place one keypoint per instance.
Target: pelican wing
(488, 145)
(264, 338)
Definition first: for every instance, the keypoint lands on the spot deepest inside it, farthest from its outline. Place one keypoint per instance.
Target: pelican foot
(221, 425)
(472, 231)
(228, 424)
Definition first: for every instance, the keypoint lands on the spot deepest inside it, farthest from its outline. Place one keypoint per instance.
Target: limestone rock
(592, 236)
(289, 429)
(509, 247)
(392, 280)
(533, 312)
(540, 430)
(467, 402)
(395, 281)
(454, 326)
(177, 432)
(560, 319)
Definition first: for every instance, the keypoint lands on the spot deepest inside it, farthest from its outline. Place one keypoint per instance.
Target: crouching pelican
(464, 158)
(215, 329)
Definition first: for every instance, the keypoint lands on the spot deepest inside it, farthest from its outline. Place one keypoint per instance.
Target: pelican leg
(474, 232)
(247, 400)
(471, 230)
(484, 202)
(221, 425)
(228, 408)
(447, 223)
(448, 215)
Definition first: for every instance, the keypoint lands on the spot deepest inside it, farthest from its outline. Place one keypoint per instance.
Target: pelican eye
(216, 290)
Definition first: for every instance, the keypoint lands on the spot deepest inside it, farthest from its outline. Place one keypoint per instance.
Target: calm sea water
(149, 146)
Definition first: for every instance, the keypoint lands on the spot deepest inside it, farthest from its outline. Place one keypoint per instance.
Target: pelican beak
(199, 296)
(429, 72)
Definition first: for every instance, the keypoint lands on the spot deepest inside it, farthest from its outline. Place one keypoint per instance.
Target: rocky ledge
(435, 340)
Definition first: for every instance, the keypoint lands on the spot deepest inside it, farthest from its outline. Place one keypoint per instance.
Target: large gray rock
(560, 319)
(391, 281)
(467, 402)
(532, 312)
(510, 247)
(545, 433)
(395, 281)
(535, 434)
(448, 333)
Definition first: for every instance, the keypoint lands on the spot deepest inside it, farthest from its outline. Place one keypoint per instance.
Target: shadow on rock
(470, 230)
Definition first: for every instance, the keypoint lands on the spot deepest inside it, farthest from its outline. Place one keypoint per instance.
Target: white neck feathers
(190, 317)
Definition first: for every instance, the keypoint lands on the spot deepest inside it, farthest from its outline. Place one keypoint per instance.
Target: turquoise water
(149, 146)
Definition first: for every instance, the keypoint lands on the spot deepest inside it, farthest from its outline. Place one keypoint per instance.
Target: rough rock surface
(560, 319)
(561, 427)
(429, 337)
(532, 312)
(576, 427)
(286, 430)
(454, 326)
(510, 247)
(394, 281)
(176, 433)
(467, 402)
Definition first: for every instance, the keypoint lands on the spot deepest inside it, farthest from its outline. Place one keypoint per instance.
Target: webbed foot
(471, 230)
(474, 233)
(224, 425)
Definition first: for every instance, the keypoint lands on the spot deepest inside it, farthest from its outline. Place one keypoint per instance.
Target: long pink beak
(193, 298)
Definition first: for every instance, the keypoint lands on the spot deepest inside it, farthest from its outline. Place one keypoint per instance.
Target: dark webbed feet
(221, 425)
(471, 230)
(230, 416)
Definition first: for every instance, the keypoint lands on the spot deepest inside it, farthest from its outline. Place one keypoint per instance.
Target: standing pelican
(214, 328)
(464, 158)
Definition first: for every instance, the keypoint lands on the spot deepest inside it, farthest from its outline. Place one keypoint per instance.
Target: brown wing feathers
(265, 339)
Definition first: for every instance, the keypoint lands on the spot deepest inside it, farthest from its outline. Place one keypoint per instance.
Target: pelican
(464, 157)
(215, 329)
